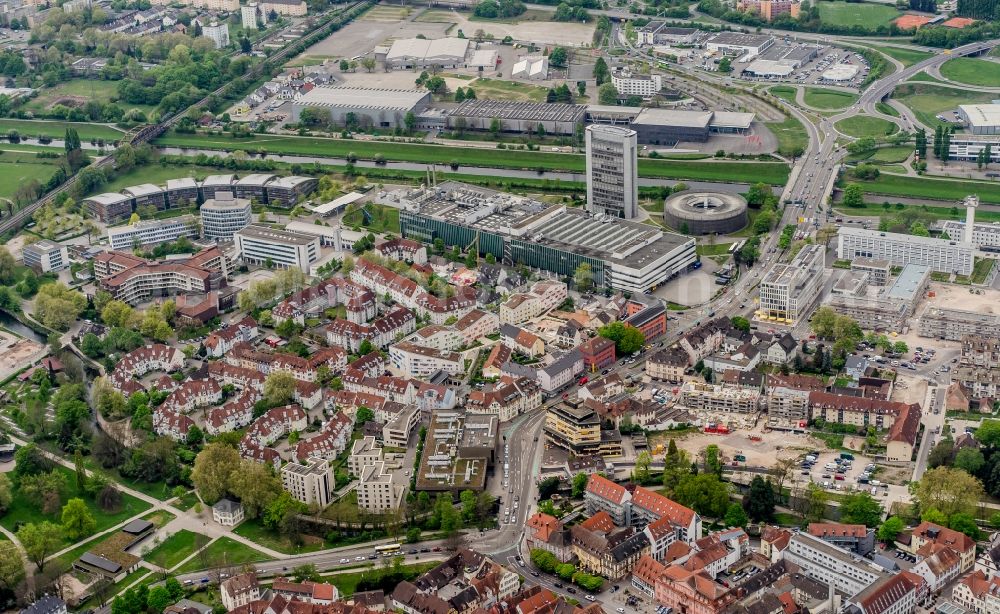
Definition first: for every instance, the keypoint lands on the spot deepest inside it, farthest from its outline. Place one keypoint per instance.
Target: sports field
(828, 100)
(866, 125)
(907, 57)
(729, 171)
(971, 71)
(847, 14)
(927, 100)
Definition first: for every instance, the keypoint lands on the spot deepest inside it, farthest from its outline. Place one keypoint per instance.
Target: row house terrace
(171, 424)
(371, 364)
(221, 341)
(138, 362)
(403, 250)
(276, 423)
(607, 550)
(383, 409)
(239, 377)
(193, 394)
(234, 414)
(243, 355)
(398, 389)
(331, 441)
(380, 333)
(408, 293)
(858, 411)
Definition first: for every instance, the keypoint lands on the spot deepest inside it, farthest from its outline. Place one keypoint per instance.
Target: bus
(387, 549)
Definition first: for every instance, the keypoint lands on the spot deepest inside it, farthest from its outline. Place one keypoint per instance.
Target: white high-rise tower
(971, 202)
(612, 171)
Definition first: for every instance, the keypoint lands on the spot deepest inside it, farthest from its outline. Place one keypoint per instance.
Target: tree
(713, 460)
(56, 306)
(628, 339)
(640, 473)
(735, 516)
(255, 485)
(607, 94)
(544, 560)
(213, 469)
(815, 502)
(725, 65)
(159, 597)
(759, 501)
(988, 433)
(889, 529)
(583, 277)
(279, 387)
(970, 460)
(823, 322)
(77, 521)
(81, 472)
(8, 266)
(917, 229)
(948, 490)
(365, 348)
(11, 566)
(861, 508)
(580, 484)
(601, 72)
(676, 465)
(558, 57)
(39, 541)
(29, 460)
(363, 414)
(854, 196)
(368, 63)
(704, 493)
(6, 493)
(740, 323)
(941, 454)
(964, 523)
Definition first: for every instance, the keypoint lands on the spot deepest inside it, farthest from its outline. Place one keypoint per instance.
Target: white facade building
(152, 232)
(45, 256)
(224, 216)
(412, 360)
(612, 171)
(218, 32)
(941, 255)
(789, 289)
(311, 483)
(261, 245)
(249, 16)
(379, 489)
(630, 84)
(831, 565)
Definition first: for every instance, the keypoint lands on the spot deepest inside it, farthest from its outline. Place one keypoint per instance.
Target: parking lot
(805, 65)
(834, 472)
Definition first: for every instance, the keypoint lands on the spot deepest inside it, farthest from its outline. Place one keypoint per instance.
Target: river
(12, 324)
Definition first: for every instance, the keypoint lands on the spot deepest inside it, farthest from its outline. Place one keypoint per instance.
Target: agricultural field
(847, 14)
(906, 57)
(57, 129)
(865, 125)
(828, 100)
(927, 100)
(971, 71)
(769, 172)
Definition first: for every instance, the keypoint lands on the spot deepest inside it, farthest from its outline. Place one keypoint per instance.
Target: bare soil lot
(360, 37)
(542, 32)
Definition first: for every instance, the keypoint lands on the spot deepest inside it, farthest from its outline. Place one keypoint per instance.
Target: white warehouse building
(981, 118)
(446, 52)
(379, 108)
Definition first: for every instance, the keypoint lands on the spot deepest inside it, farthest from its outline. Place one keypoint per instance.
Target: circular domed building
(700, 213)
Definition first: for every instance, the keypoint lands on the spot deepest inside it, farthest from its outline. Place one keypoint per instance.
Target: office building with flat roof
(146, 194)
(846, 572)
(878, 270)
(739, 44)
(612, 171)
(378, 108)
(657, 126)
(635, 84)
(181, 192)
(522, 117)
(311, 483)
(622, 255)
(952, 324)
(659, 33)
(941, 255)
(223, 216)
(45, 256)
(152, 232)
(216, 183)
(108, 207)
(788, 290)
(261, 245)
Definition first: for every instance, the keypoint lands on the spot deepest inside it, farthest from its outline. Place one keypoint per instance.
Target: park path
(29, 578)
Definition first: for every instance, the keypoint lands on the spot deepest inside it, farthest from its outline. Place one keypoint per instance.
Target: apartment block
(311, 483)
(379, 489)
(719, 398)
(261, 245)
(152, 232)
(826, 563)
(412, 360)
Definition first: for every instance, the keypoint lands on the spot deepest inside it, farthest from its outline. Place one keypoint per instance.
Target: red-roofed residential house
(962, 544)
(548, 533)
(604, 495)
(648, 506)
(647, 571)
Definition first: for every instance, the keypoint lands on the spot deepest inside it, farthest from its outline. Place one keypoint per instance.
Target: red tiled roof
(835, 529)
(601, 521)
(662, 506)
(606, 489)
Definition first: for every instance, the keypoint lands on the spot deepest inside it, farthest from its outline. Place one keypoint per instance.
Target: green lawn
(972, 71)
(791, 135)
(907, 57)
(21, 511)
(981, 268)
(785, 92)
(927, 100)
(74, 92)
(866, 125)
(187, 501)
(884, 155)
(831, 100)
(785, 519)
(887, 109)
(176, 548)
(495, 89)
(160, 518)
(347, 583)
(57, 129)
(923, 76)
(846, 14)
(18, 169)
(888, 186)
(383, 218)
(255, 531)
(717, 249)
(223, 552)
(769, 172)
(158, 175)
